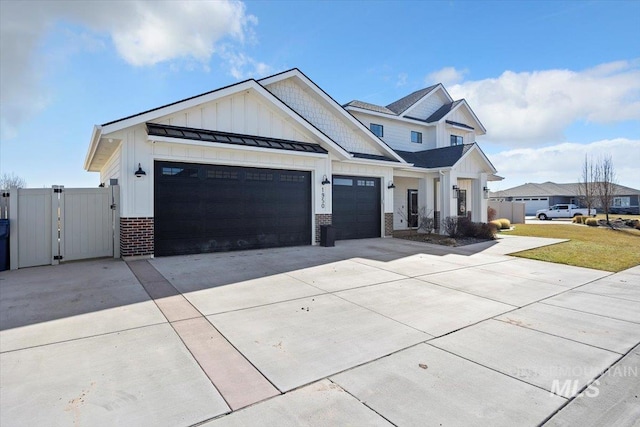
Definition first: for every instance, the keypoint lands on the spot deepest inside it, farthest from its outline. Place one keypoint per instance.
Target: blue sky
(550, 80)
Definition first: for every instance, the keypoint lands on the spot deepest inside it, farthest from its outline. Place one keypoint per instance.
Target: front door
(462, 202)
(412, 206)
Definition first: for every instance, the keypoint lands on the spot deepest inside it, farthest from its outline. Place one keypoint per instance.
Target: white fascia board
(179, 106)
(437, 88)
(427, 170)
(356, 160)
(391, 117)
(93, 146)
(332, 103)
(206, 144)
(464, 102)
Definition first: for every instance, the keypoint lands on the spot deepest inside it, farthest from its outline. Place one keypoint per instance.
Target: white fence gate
(56, 224)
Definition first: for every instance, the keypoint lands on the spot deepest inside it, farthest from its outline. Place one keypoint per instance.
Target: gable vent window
(378, 130)
(416, 137)
(456, 140)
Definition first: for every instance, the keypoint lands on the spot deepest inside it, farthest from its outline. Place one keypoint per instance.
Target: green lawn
(593, 247)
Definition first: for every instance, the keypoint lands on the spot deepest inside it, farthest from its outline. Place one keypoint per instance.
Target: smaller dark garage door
(210, 208)
(356, 207)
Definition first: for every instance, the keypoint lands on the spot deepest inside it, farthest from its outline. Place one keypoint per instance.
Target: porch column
(479, 203)
(449, 204)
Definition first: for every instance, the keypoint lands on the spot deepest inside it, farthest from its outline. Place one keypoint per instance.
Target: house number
(322, 204)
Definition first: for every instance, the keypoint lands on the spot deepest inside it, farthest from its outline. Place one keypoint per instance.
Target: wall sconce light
(486, 192)
(139, 173)
(391, 185)
(325, 180)
(455, 189)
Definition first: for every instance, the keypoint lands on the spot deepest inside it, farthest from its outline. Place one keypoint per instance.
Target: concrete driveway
(370, 332)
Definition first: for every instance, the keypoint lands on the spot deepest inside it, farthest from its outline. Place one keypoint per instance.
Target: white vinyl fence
(513, 211)
(51, 225)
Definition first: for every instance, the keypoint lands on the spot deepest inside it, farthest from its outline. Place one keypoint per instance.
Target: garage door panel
(356, 207)
(221, 208)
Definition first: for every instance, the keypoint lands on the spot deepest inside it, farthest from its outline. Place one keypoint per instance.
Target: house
(541, 196)
(265, 163)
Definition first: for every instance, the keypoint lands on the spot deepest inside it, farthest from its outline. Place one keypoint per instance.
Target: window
(456, 140)
(343, 181)
(258, 176)
(622, 202)
(416, 137)
(180, 172)
(377, 129)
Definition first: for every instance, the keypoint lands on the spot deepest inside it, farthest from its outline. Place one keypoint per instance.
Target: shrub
(426, 221)
(480, 230)
(592, 222)
(505, 224)
(466, 228)
(497, 224)
(486, 231)
(578, 219)
(450, 226)
(491, 214)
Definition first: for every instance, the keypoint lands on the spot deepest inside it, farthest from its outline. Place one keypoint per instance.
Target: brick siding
(322, 219)
(136, 236)
(388, 224)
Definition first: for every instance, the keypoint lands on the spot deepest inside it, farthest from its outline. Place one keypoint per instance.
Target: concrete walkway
(380, 332)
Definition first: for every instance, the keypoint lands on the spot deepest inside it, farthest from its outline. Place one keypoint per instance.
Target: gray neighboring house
(541, 196)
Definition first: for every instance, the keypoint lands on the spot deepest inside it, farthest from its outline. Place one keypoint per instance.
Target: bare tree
(8, 180)
(587, 186)
(605, 183)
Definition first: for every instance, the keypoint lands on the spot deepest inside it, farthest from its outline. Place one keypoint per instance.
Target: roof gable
(159, 113)
(406, 102)
(445, 157)
(304, 96)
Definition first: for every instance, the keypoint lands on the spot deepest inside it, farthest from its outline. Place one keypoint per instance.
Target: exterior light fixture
(325, 180)
(455, 189)
(486, 192)
(391, 185)
(139, 173)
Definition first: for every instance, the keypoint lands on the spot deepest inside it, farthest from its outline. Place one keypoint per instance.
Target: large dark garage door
(356, 207)
(209, 208)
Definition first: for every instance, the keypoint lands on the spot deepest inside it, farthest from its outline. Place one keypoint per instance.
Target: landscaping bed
(436, 239)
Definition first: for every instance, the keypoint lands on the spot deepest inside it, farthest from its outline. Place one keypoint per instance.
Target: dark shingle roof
(443, 111)
(368, 106)
(155, 129)
(374, 157)
(437, 157)
(402, 104)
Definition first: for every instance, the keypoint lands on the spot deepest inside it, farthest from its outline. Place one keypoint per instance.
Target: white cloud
(143, 33)
(446, 76)
(536, 107)
(402, 79)
(562, 163)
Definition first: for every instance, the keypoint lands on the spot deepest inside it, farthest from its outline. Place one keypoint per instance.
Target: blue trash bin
(4, 244)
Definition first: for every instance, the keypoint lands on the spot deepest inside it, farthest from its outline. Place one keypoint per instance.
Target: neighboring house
(541, 196)
(265, 163)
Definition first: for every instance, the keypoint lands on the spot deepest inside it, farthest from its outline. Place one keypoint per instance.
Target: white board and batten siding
(49, 226)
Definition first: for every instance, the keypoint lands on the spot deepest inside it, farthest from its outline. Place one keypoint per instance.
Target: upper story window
(378, 130)
(416, 137)
(456, 140)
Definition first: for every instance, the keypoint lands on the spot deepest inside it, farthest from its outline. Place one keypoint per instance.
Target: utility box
(327, 235)
(4, 244)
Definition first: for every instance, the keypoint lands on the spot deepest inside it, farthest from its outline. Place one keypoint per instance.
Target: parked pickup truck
(563, 211)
